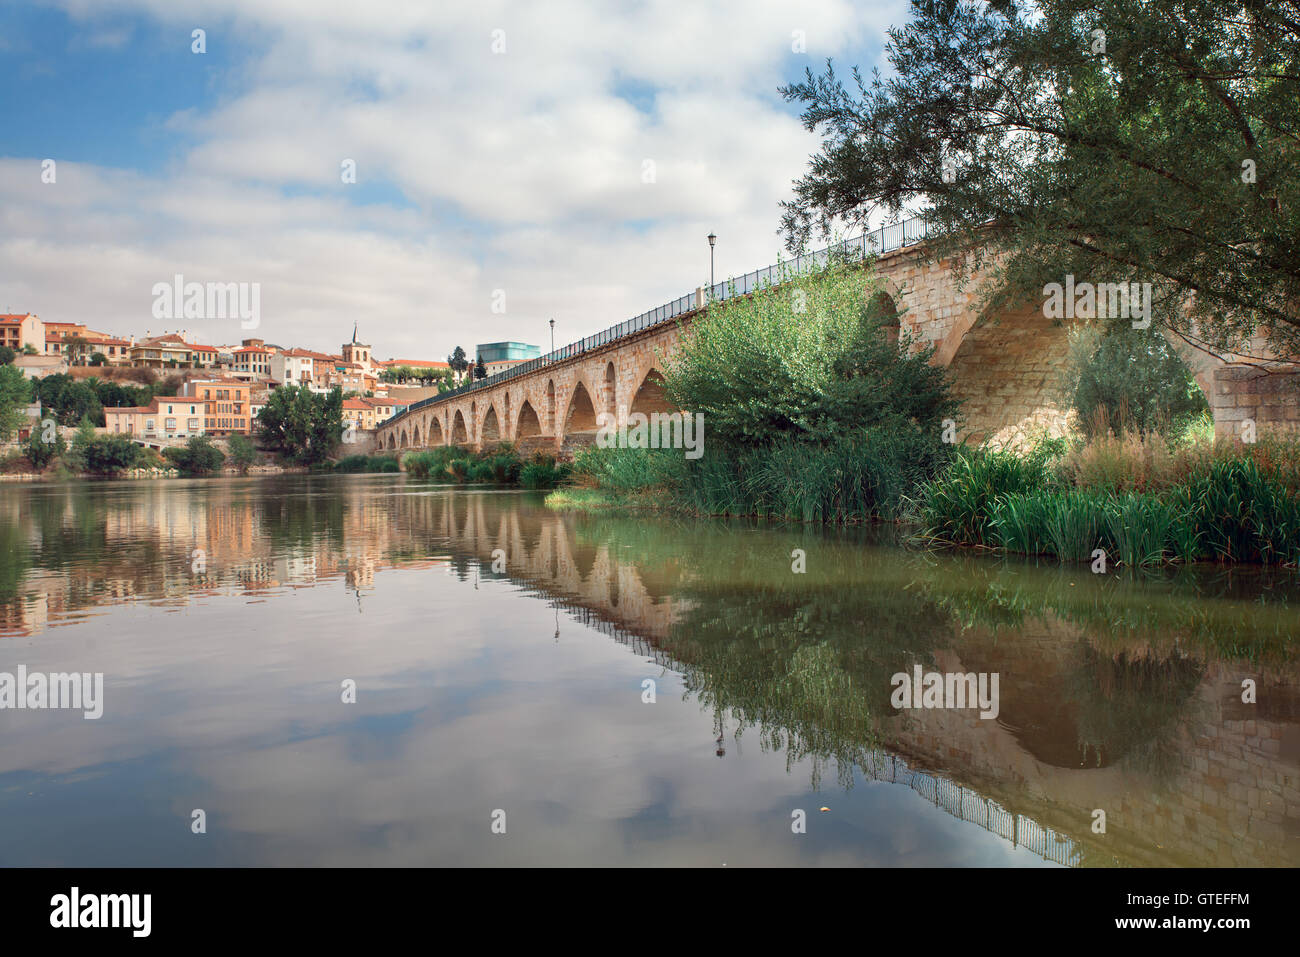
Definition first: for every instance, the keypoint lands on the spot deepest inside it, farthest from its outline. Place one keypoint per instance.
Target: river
(366, 670)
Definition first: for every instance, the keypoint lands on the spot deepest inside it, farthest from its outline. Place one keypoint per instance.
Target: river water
(539, 688)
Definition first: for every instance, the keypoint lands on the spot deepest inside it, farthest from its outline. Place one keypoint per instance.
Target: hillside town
(222, 388)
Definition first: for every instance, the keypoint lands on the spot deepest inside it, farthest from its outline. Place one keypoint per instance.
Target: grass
(1140, 503)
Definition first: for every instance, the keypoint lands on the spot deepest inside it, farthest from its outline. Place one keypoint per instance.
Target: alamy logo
(37, 691)
(75, 909)
(179, 299)
(659, 430)
(946, 690)
(1107, 300)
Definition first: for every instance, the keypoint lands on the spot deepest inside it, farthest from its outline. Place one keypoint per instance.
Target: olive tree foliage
(1116, 141)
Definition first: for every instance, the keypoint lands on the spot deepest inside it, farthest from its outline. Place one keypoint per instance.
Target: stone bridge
(1007, 369)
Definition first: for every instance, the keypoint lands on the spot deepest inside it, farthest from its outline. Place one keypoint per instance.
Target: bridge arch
(403, 440)
(580, 417)
(649, 396)
(435, 432)
(491, 430)
(883, 308)
(550, 406)
(459, 434)
(609, 390)
(415, 435)
(528, 424)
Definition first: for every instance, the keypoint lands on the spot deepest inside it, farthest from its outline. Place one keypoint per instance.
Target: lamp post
(712, 241)
(552, 335)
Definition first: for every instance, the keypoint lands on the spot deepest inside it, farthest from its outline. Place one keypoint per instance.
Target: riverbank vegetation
(828, 417)
(501, 465)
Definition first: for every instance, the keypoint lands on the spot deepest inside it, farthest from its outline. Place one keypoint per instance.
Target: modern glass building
(491, 352)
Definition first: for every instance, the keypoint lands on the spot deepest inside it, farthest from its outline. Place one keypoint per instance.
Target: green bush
(198, 456)
(367, 463)
(40, 453)
(241, 450)
(108, 455)
(542, 473)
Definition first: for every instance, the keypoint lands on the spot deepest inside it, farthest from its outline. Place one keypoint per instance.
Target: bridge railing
(877, 241)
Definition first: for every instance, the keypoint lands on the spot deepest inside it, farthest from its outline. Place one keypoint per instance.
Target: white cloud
(523, 170)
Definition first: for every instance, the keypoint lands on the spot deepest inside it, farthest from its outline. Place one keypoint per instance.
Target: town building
(500, 356)
(19, 330)
(252, 360)
(229, 404)
(294, 367)
(169, 417)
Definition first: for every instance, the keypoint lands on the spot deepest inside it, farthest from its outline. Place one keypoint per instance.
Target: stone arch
(884, 309)
(415, 435)
(1007, 372)
(550, 406)
(435, 432)
(649, 396)
(505, 418)
(528, 424)
(403, 440)
(609, 390)
(491, 431)
(392, 443)
(459, 434)
(473, 422)
(580, 417)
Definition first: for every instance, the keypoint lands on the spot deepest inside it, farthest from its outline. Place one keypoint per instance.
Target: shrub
(40, 453)
(367, 463)
(542, 473)
(241, 450)
(198, 456)
(108, 455)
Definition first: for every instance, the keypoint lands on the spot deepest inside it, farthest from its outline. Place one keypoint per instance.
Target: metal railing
(883, 240)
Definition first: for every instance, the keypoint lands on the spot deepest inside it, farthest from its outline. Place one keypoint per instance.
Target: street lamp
(712, 241)
(552, 335)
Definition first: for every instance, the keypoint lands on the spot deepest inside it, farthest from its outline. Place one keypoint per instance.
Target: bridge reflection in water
(1119, 695)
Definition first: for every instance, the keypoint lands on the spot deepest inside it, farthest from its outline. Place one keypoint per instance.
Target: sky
(514, 162)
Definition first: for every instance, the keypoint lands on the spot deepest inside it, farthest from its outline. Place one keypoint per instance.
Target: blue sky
(577, 166)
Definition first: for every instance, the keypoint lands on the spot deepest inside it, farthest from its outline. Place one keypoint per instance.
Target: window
(171, 425)
(194, 425)
(149, 425)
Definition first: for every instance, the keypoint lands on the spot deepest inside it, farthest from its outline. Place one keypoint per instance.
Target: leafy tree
(241, 451)
(1128, 378)
(808, 362)
(98, 359)
(1113, 140)
(480, 370)
(6, 356)
(198, 456)
(110, 454)
(301, 424)
(30, 350)
(75, 348)
(39, 452)
(101, 454)
(15, 395)
(69, 399)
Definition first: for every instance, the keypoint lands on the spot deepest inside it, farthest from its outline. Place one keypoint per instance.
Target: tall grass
(1226, 508)
(958, 507)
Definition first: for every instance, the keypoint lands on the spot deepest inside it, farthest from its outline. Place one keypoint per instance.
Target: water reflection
(1117, 693)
